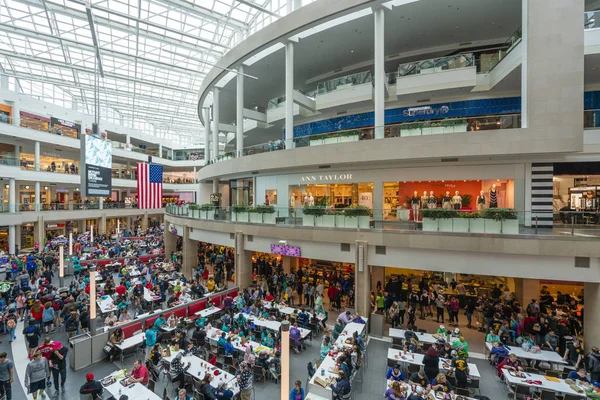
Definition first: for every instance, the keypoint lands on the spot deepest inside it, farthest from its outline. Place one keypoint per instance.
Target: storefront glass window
(241, 191)
(338, 195)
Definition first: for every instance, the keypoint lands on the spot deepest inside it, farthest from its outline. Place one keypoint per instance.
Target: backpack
(408, 335)
(11, 323)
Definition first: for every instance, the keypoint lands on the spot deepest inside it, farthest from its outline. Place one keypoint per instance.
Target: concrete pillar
(215, 129)
(38, 199)
(362, 284)
(102, 225)
(11, 239)
(206, 134)
(239, 112)
(4, 82)
(524, 64)
(215, 185)
(190, 254)
(16, 111)
(243, 262)
(145, 221)
(289, 264)
(170, 242)
(526, 290)
(289, 94)
(12, 202)
(377, 274)
(379, 75)
(101, 203)
(39, 232)
(160, 150)
(18, 236)
(127, 139)
(378, 201)
(36, 156)
(591, 315)
(18, 154)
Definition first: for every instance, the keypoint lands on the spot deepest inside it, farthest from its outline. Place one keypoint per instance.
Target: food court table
(131, 341)
(106, 304)
(135, 391)
(287, 310)
(149, 296)
(545, 355)
(213, 335)
(208, 312)
(273, 325)
(553, 384)
(422, 337)
(417, 359)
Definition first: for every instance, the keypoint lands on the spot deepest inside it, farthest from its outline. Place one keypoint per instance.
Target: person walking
(36, 373)
(58, 365)
(245, 382)
(6, 376)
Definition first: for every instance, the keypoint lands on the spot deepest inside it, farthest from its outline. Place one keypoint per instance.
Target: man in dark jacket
(92, 387)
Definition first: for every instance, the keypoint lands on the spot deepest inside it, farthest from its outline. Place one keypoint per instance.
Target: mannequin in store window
(424, 199)
(456, 201)
(292, 201)
(481, 200)
(493, 197)
(311, 200)
(415, 202)
(447, 201)
(306, 200)
(432, 201)
(266, 199)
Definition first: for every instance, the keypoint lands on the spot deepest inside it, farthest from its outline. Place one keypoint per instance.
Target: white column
(379, 68)
(101, 203)
(16, 111)
(11, 239)
(160, 150)
(4, 82)
(239, 112)
(37, 196)
(36, 156)
(128, 139)
(215, 130)
(289, 94)
(12, 205)
(18, 154)
(194, 176)
(524, 70)
(206, 134)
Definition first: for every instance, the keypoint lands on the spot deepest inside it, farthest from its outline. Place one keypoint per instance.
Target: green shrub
(466, 200)
(239, 208)
(207, 207)
(193, 206)
(357, 211)
(469, 215)
(438, 213)
(499, 214)
(317, 211)
(264, 209)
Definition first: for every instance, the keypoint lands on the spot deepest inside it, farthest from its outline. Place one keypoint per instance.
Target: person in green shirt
(461, 345)
(492, 337)
(380, 301)
(593, 392)
(442, 330)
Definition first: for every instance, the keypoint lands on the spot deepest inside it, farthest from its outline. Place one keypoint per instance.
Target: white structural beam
(258, 7)
(204, 13)
(255, 115)
(215, 130)
(289, 93)
(206, 133)
(379, 73)
(303, 101)
(229, 128)
(239, 112)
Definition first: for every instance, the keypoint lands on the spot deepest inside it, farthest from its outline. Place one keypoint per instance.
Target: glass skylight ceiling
(154, 55)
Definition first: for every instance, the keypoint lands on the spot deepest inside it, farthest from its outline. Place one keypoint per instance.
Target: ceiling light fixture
(27, 187)
(45, 187)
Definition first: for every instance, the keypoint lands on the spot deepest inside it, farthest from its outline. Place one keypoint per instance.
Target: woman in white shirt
(111, 318)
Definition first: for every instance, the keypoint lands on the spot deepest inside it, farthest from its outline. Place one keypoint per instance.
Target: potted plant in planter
(437, 219)
(492, 220)
(206, 211)
(328, 220)
(253, 216)
(339, 218)
(357, 217)
(316, 140)
(239, 213)
(476, 223)
(194, 210)
(267, 214)
(460, 223)
(311, 215)
(510, 223)
(411, 129)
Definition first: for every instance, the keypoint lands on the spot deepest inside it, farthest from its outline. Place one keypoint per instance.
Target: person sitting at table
(574, 353)
(111, 318)
(346, 317)
(303, 318)
(395, 374)
(262, 360)
(551, 340)
(325, 347)
(155, 354)
(92, 387)
(269, 341)
(442, 331)
(498, 350)
(419, 378)
(210, 283)
(579, 375)
(177, 370)
(395, 392)
(418, 394)
(269, 297)
(160, 321)
(342, 389)
(338, 328)
(229, 349)
(211, 393)
(492, 337)
(193, 349)
(441, 384)
(593, 391)
(255, 310)
(240, 321)
(461, 345)
(461, 370)
(296, 337)
(139, 374)
(320, 310)
(511, 363)
(116, 338)
(200, 322)
(200, 337)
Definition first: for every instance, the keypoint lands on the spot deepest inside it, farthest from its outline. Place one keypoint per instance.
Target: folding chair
(474, 385)
(258, 373)
(151, 385)
(462, 392)
(522, 392)
(554, 374)
(547, 395)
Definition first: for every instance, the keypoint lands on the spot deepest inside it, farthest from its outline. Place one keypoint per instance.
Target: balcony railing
(70, 206)
(592, 20)
(419, 128)
(438, 64)
(490, 221)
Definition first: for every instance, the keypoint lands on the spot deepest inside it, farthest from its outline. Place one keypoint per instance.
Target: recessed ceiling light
(6, 186)
(351, 51)
(45, 187)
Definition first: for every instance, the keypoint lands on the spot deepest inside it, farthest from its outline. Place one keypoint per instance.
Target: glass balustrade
(592, 20)
(438, 64)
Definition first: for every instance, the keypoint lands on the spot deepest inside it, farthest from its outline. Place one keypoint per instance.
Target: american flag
(149, 185)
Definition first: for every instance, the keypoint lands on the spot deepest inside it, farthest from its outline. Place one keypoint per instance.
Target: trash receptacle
(376, 325)
(80, 351)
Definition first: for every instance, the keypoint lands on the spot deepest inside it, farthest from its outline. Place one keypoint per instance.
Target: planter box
(430, 225)
(316, 142)
(241, 217)
(268, 218)
(437, 130)
(351, 222)
(410, 132)
(255, 218)
(460, 128)
(332, 140)
(195, 213)
(510, 226)
(402, 214)
(308, 220)
(492, 226)
(426, 131)
(448, 129)
(203, 214)
(352, 138)
(476, 225)
(339, 221)
(445, 224)
(326, 221)
(364, 222)
(460, 225)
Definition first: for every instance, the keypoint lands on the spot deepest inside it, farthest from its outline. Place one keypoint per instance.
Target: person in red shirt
(269, 297)
(46, 348)
(139, 373)
(121, 290)
(510, 363)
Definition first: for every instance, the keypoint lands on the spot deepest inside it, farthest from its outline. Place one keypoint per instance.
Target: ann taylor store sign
(325, 178)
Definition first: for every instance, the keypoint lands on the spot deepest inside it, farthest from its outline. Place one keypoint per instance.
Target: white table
(422, 337)
(106, 304)
(150, 296)
(272, 325)
(130, 342)
(544, 355)
(561, 386)
(288, 310)
(198, 368)
(348, 332)
(213, 334)
(396, 355)
(134, 272)
(137, 391)
(208, 311)
(149, 314)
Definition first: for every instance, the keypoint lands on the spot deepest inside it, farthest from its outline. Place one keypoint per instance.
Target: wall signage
(98, 181)
(54, 226)
(426, 110)
(326, 178)
(290, 251)
(51, 154)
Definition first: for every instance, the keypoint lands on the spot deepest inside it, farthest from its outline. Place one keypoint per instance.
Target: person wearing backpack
(32, 334)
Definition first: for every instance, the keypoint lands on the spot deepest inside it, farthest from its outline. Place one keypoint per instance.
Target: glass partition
(436, 64)
(345, 82)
